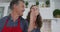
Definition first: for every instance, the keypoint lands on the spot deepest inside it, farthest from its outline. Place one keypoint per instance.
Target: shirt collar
(11, 17)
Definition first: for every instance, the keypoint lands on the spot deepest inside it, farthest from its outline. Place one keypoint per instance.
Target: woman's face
(35, 10)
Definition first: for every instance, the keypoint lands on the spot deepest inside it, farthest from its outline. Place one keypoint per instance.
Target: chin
(21, 14)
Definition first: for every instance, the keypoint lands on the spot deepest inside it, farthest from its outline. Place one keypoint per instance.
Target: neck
(14, 16)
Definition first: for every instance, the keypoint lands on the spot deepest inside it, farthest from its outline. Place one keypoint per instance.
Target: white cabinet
(51, 25)
(55, 25)
(46, 27)
(3, 9)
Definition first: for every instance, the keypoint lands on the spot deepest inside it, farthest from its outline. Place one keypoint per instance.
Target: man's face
(20, 8)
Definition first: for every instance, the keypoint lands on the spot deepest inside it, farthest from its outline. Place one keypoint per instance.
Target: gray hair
(14, 2)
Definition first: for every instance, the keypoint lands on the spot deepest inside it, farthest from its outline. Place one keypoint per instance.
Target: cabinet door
(56, 25)
(1, 12)
(3, 9)
(46, 27)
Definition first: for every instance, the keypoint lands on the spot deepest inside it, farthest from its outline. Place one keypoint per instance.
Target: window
(1, 11)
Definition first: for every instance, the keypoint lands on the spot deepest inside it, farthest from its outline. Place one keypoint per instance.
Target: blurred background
(49, 10)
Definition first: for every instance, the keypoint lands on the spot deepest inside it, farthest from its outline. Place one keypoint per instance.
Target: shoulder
(22, 19)
(3, 19)
(25, 22)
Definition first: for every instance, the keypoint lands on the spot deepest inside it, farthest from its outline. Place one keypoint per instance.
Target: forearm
(30, 27)
(32, 24)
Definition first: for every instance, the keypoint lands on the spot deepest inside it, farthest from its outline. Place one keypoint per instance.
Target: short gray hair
(14, 2)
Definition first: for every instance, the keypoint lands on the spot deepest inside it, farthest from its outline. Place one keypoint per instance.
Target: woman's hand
(36, 11)
(32, 21)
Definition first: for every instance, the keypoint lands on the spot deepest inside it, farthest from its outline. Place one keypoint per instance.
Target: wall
(4, 1)
(46, 13)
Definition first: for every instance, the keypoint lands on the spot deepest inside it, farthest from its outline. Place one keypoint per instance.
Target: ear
(15, 6)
